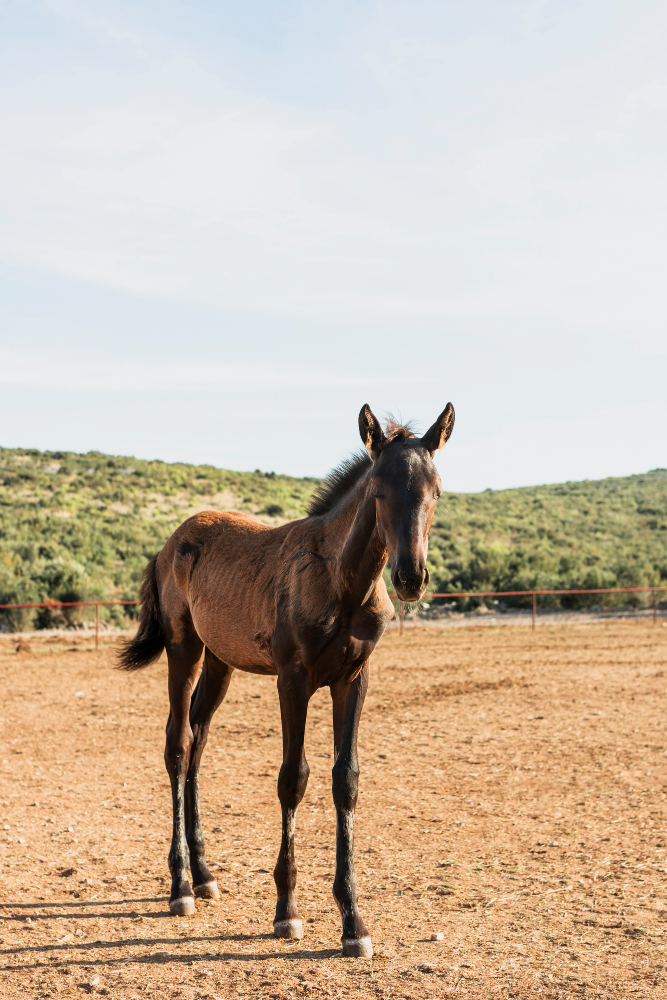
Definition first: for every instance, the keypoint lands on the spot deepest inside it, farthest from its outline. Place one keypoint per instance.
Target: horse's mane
(339, 482)
(347, 474)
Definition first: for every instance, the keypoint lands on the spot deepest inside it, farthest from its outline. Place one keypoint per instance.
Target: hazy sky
(225, 226)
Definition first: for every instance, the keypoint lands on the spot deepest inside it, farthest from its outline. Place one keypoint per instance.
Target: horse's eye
(378, 496)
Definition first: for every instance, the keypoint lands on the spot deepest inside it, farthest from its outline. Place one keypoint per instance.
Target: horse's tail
(148, 643)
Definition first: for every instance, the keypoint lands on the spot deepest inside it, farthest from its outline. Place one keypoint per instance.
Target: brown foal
(304, 602)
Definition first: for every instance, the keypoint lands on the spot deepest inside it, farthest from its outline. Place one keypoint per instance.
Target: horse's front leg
(348, 700)
(294, 694)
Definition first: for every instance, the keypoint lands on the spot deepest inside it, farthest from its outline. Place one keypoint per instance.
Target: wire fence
(533, 594)
(58, 605)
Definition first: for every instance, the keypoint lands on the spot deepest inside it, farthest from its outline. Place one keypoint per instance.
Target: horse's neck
(362, 555)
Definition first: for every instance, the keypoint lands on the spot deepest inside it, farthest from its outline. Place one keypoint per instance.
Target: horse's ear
(437, 435)
(371, 433)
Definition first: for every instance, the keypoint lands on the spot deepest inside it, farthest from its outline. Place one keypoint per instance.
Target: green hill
(81, 527)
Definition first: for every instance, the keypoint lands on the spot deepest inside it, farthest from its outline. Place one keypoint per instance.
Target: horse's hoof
(357, 947)
(288, 929)
(207, 890)
(183, 907)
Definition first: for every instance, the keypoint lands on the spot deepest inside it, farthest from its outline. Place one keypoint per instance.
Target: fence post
(534, 608)
(655, 607)
(97, 626)
(401, 615)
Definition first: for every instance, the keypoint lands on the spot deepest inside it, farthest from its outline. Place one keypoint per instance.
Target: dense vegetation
(81, 527)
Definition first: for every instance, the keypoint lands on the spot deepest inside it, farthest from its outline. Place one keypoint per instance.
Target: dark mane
(346, 475)
(339, 482)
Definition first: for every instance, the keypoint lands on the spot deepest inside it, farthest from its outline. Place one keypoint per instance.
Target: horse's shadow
(164, 958)
(80, 904)
(161, 957)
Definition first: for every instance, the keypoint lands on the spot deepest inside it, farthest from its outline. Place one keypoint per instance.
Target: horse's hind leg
(348, 700)
(209, 693)
(292, 780)
(183, 656)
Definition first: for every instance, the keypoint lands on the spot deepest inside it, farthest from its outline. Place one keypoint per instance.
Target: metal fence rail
(541, 593)
(54, 605)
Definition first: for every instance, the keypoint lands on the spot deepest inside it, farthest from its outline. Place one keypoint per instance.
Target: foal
(305, 602)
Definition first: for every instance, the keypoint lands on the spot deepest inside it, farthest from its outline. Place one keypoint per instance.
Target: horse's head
(406, 485)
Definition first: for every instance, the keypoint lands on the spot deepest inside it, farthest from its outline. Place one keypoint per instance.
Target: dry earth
(513, 798)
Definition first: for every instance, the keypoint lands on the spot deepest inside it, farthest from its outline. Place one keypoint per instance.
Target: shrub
(61, 539)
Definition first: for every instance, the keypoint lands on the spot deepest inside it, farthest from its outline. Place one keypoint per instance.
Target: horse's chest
(345, 649)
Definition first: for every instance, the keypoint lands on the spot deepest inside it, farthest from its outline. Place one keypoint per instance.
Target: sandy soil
(513, 798)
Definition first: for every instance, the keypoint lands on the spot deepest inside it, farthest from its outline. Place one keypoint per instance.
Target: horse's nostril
(410, 580)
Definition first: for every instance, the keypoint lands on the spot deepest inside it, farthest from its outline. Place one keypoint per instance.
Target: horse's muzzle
(410, 585)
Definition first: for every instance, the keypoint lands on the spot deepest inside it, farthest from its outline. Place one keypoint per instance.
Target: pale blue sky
(227, 226)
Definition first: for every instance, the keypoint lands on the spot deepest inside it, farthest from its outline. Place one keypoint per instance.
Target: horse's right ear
(437, 435)
(371, 433)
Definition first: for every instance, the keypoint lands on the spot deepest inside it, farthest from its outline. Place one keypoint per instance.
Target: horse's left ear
(437, 435)
(371, 433)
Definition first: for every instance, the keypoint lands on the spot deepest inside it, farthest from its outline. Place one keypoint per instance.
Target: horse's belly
(242, 657)
(257, 668)
(237, 641)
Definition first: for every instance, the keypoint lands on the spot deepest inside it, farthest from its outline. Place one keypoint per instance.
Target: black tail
(148, 643)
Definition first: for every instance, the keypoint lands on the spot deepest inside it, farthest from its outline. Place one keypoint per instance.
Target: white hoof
(207, 890)
(183, 907)
(288, 929)
(357, 947)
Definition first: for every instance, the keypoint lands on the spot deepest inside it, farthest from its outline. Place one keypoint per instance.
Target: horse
(305, 602)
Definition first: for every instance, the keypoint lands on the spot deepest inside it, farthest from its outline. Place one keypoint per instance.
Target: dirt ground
(512, 797)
